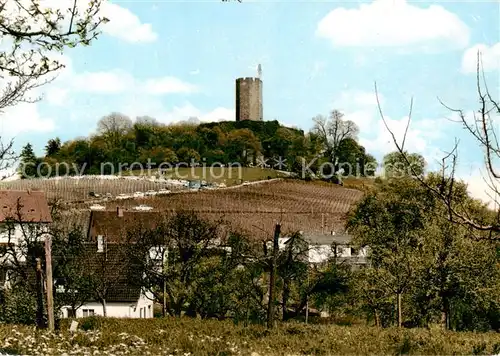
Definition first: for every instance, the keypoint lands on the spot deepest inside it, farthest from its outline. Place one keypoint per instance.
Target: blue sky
(172, 60)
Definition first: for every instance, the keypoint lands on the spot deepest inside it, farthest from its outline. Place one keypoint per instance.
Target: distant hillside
(254, 209)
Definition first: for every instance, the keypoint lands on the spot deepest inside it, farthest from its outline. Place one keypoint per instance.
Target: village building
(24, 215)
(322, 248)
(109, 266)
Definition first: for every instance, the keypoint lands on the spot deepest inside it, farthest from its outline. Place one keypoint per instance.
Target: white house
(322, 247)
(24, 215)
(108, 264)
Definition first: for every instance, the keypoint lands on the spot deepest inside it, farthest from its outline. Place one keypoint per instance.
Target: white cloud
(24, 117)
(57, 96)
(361, 107)
(114, 81)
(394, 23)
(479, 184)
(124, 24)
(168, 85)
(151, 106)
(489, 56)
(358, 98)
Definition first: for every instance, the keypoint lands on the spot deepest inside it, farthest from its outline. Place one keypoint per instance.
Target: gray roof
(327, 239)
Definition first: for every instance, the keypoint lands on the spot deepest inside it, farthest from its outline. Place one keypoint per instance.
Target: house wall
(15, 237)
(321, 253)
(143, 308)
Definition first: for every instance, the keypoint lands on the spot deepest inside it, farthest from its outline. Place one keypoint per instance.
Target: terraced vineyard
(256, 208)
(77, 190)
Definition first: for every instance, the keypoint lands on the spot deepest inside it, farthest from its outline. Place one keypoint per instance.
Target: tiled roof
(115, 227)
(24, 206)
(112, 268)
(327, 239)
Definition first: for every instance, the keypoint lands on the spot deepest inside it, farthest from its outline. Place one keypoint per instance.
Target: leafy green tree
(29, 162)
(421, 261)
(53, 146)
(242, 145)
(292, 267)
(113, 127)
(168, 258)
(332, 130)
(188, 155)
(353, 159)
(72, 286)
(390, 222)
(158, 155)
(395, 164)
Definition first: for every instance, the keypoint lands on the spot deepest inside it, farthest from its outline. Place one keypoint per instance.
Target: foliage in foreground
(171, 336)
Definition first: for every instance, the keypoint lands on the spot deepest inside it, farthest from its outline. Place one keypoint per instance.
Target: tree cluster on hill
(146, 142)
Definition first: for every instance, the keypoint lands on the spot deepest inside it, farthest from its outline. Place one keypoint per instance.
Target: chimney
(119, 212)
(100, 243)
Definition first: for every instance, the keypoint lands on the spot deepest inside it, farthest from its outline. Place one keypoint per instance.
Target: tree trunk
(400, 314)
(104, 312)
(270, 307)
(445, 315)
(286, 293)
(164, 309)
(377, 318)
(39, 294)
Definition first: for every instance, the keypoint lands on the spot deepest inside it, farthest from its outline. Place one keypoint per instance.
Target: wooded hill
(118, 139)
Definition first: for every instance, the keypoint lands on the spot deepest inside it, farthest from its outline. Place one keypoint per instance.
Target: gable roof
(113, 268)
(328, 239)
(24, 206)
(115, 227)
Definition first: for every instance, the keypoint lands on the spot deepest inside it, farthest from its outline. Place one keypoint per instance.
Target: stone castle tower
(249, 98)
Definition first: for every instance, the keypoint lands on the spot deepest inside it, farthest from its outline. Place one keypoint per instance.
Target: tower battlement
(249, 79)
(249, 99)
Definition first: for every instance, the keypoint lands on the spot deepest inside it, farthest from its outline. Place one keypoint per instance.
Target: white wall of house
(321, 253)
(15, 237)
(143, 308)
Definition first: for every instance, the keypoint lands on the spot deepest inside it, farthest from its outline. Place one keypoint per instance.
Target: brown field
(77, 190)
(255, 209)
(71, 190)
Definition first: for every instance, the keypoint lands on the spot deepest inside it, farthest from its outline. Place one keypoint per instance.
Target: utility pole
(270, 308)
(307, 296)
(49, 282)
(39, 293)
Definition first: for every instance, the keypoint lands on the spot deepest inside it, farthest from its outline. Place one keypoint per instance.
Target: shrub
(18, 306)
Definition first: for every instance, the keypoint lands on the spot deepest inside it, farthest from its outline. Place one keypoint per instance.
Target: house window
(140, 313)
(354, 251)
(149, 311)
(88, 312)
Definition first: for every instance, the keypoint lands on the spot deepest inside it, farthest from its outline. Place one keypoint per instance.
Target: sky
(177, 59)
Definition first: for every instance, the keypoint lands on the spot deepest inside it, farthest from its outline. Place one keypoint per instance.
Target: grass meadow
(170, 336)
